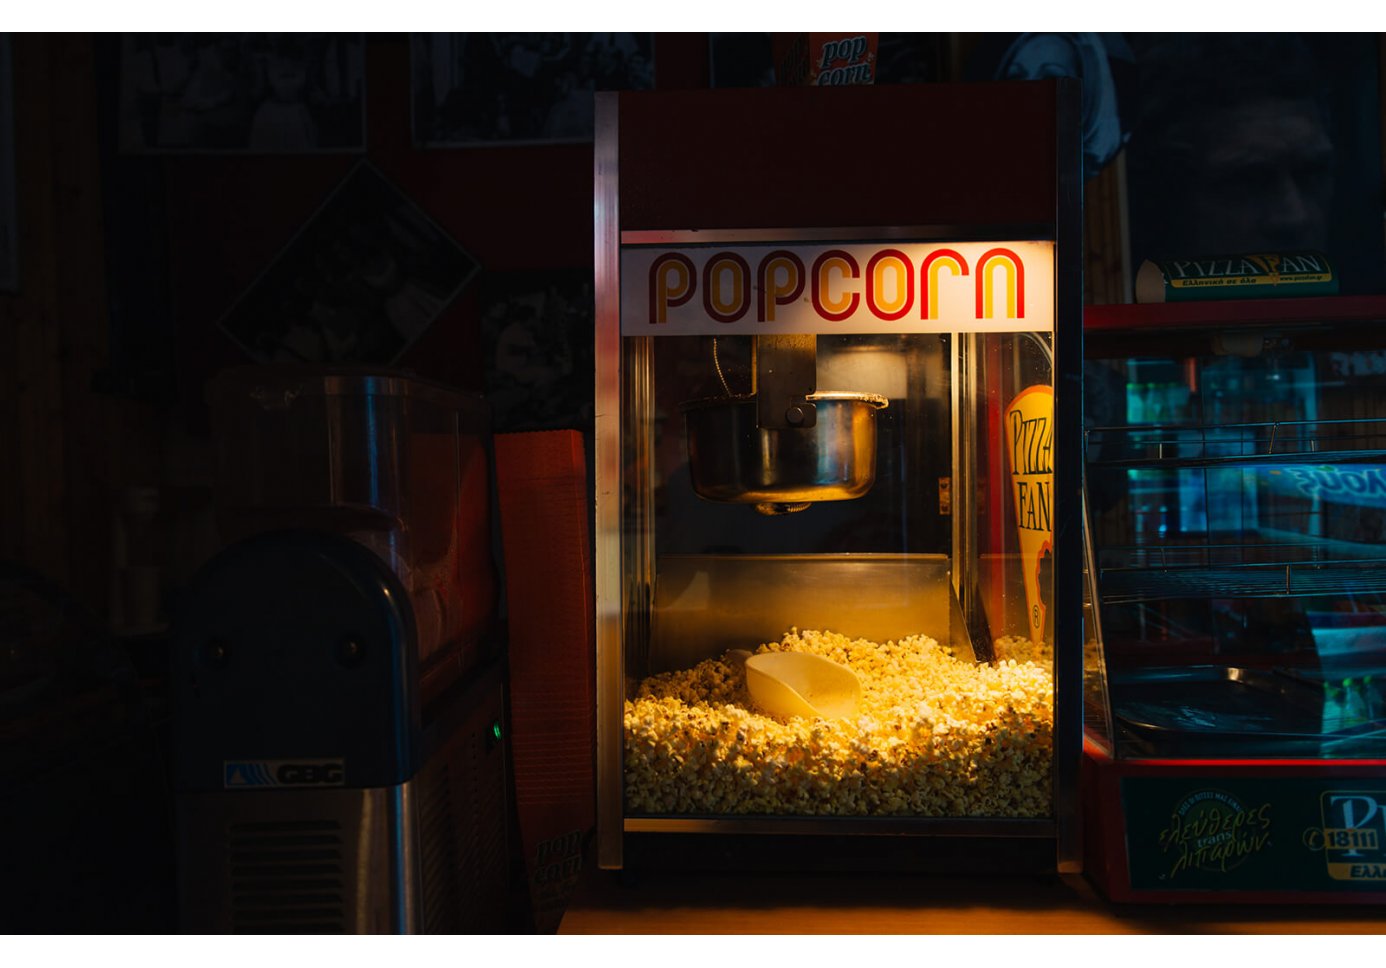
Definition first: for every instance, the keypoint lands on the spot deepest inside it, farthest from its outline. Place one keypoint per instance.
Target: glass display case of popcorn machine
(1235, 744)
(839, 579)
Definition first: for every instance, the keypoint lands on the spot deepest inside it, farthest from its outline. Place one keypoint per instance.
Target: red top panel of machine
(791, 157)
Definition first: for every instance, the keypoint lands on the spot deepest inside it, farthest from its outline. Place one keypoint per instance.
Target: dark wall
(523, 207)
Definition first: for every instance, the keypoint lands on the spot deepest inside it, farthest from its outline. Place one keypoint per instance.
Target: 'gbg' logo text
(249, 774)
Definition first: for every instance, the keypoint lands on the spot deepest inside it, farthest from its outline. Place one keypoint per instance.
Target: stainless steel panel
(607, 474)
(405, 848)
(292, 861)
(1014, 232)
(848, 826)
(706, 604)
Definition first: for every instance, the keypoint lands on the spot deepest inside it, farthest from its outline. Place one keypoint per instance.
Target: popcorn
(1023, 649)
(934, 736)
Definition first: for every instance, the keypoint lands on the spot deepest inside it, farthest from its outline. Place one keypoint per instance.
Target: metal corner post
(1068, 471)
(607, 472)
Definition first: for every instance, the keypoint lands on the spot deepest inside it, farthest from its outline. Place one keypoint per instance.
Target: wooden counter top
(607, 902)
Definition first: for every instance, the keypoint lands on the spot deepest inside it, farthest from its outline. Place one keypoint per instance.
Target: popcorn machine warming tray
(929, 716)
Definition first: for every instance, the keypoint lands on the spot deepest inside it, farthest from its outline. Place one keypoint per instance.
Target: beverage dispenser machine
(340, 757)
(839, 480)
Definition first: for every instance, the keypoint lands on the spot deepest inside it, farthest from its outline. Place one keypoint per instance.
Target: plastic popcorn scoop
(801, 684)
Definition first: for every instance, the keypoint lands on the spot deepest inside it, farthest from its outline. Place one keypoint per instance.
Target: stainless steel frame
(302, 861)
(914, 233)
(1069, 495)
(607, 473)
(848, 826)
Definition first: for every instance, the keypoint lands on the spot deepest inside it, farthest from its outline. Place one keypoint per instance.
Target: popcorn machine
(839, 556)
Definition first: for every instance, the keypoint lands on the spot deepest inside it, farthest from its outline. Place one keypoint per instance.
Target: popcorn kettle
(785, 444)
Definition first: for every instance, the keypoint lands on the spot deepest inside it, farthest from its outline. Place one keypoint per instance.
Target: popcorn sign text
(838, 288)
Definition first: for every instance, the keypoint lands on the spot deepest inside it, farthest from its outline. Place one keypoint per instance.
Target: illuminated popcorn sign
(837, 288)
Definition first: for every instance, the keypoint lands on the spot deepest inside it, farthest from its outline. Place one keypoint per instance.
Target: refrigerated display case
(1235, 678)
(838, 478)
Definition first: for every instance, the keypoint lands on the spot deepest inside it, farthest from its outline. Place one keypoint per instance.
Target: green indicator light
(496, 730)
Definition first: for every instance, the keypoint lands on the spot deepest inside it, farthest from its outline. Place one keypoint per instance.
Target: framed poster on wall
(242, 93)
(9, 202)
(359, 283)
(741, 60)
(537, 331)
(1257, 142)
(490, 89)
